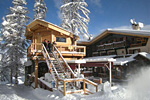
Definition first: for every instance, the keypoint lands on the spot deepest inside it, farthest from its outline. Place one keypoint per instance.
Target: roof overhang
(47, 26)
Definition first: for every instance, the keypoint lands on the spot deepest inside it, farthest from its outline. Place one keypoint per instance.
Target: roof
(130, 32)
(38, 23)
(117, 61)
(100, 58)
(122, 61)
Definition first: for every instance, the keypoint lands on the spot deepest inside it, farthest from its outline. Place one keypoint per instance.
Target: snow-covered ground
(137, 89)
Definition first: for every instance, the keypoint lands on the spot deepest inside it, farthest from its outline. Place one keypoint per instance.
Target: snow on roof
(131, 31)
(144, 54)
(117, 61)
(122, 61)
(76, 61)
(100, 58)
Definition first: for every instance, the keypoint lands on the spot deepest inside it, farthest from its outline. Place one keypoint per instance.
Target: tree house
(65, 49)
(39, 30)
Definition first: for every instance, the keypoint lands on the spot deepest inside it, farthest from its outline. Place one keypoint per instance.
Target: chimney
(136, 26)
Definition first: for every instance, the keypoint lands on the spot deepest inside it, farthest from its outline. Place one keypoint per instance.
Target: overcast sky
(104, 13)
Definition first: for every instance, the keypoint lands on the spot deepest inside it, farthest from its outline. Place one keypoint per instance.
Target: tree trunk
(16, 76)
(11, 76)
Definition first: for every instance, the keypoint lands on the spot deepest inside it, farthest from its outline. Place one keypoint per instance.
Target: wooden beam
(96, 88)
(73, 80)
(88, 91)
(84, 86)
(77, 91)
(64, 88)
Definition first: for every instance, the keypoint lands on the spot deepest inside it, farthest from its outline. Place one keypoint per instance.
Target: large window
(60, 39)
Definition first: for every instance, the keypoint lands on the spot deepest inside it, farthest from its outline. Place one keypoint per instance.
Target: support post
(84, 86)
(96, 88)
(64, 88)
(110, 73)
(36, 74)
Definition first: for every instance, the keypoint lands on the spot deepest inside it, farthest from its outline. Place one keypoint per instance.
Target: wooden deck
(35, 49)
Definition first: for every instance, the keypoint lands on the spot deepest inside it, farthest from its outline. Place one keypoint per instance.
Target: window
(60, 39)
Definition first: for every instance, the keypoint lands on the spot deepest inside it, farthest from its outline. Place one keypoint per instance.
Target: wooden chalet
(125, 46)
(118, 42)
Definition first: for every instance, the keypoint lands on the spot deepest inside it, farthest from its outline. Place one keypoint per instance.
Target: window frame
(61, 41)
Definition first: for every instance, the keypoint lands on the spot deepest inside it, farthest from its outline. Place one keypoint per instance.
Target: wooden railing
(112, 45)
(68, 49)
(72, 49)
(35, 47)
(84, 80)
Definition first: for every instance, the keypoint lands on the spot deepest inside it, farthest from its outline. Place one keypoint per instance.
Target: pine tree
(75, 17)
(13, 30)
(39, 9)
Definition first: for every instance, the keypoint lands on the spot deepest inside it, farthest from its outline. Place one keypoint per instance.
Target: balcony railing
(113, 45)
(70, 49)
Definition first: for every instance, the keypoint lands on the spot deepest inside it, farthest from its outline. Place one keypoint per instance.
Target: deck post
(64, 88)
(36, 74)
(96, 88)
(84, 86)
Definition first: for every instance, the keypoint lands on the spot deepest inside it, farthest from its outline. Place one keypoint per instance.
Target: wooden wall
(50, 36)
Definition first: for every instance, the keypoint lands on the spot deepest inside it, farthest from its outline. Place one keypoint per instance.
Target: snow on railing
(84, 80)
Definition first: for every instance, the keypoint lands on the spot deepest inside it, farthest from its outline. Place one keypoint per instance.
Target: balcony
(111, 46)
(70, 50)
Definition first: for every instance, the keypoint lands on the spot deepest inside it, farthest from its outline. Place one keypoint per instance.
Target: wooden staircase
(63, 76)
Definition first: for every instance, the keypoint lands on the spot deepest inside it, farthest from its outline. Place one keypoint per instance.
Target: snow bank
(47, 95)
(139, 86)
(137, 89)
(106, 87)
(48, 77)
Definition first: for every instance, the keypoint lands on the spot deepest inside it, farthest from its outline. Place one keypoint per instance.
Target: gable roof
(36, 24)
(129, 32)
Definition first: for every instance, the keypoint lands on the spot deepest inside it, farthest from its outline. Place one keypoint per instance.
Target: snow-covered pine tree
(40, 9)
(14, 43)
(75, 17)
